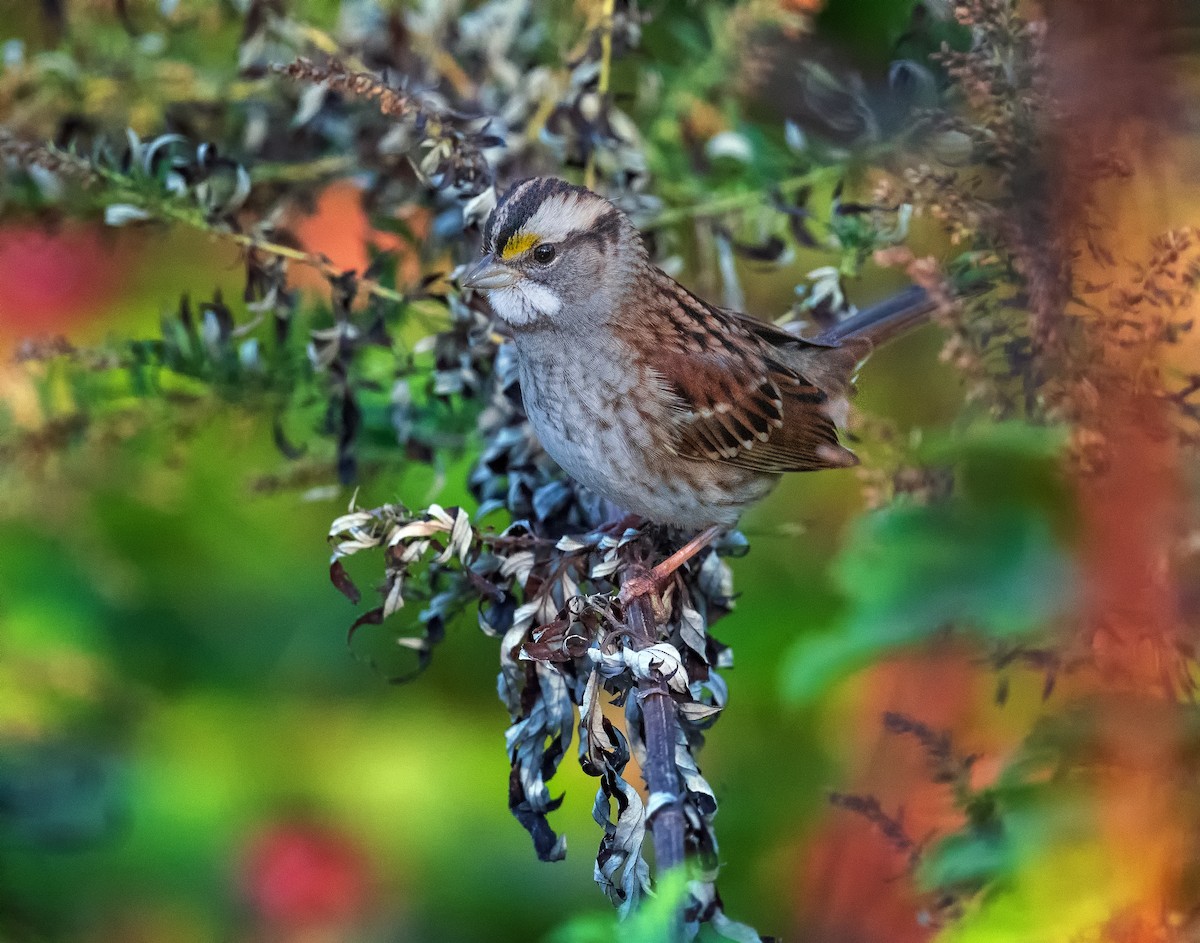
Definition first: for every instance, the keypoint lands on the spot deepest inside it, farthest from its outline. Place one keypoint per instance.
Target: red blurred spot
(302, 874)
(53, 280)
(866, 893)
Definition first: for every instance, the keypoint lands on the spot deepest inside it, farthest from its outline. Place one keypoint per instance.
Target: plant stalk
(606, 27)
(658, 719)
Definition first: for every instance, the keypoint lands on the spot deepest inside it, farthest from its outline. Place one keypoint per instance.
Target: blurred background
(191, 750)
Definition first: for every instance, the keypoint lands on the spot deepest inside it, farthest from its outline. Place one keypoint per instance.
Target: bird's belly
(604, 434)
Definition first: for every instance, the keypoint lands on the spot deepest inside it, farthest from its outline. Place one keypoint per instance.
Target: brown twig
(47, 157)
(390, 101)
(316, 261)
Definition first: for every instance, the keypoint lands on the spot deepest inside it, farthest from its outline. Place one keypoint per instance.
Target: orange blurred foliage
(1117, 89)
(852, 884)
(340, 230)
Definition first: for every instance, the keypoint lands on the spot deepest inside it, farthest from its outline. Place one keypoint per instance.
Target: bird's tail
(884, 321)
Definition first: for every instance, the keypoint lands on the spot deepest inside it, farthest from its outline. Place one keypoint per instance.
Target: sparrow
(674, 409)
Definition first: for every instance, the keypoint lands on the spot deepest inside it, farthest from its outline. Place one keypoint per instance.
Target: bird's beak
(489, 274)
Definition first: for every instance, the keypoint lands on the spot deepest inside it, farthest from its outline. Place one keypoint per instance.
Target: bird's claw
(636, 586)
(650, 586)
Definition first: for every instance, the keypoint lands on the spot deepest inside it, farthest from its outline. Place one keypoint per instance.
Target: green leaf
(1007, 463)
(991, 560)
(653, 922)
(869, 27)
(1029, 820)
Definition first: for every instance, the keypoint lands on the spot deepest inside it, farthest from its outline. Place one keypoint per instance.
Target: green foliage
(653, 922)
(990, 559)
(1013, 823)
(1032, 859)
(870, 27)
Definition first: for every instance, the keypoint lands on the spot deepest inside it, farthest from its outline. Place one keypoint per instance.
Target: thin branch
(171, 211)
(46, 156)
(741, 201)
(390, 101)
(319, 262)
(335, 165)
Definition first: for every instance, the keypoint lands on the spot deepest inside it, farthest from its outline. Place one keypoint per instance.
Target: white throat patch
(524, 302)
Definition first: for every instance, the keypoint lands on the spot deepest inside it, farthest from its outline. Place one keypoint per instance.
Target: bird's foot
(654, 582)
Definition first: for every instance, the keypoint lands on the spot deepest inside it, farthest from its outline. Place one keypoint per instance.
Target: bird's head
(555, 254)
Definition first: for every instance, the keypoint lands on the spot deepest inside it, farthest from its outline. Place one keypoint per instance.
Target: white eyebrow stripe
(499, 219)
(563, 214)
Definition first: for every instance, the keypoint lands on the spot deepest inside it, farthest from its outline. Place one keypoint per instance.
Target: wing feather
(736, 398)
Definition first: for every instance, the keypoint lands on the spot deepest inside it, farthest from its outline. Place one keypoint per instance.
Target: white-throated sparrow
(674, 409)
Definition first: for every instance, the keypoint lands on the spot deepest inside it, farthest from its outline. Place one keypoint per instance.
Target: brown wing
(736, 400)
(775, 336)
(830, 364)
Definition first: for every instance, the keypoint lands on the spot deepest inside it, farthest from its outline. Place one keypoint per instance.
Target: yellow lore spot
(518, 243)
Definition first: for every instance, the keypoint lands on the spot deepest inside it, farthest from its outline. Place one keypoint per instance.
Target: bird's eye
(543, 254)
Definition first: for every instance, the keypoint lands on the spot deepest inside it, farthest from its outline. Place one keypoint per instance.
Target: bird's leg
(652, 582)
(681, 556)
